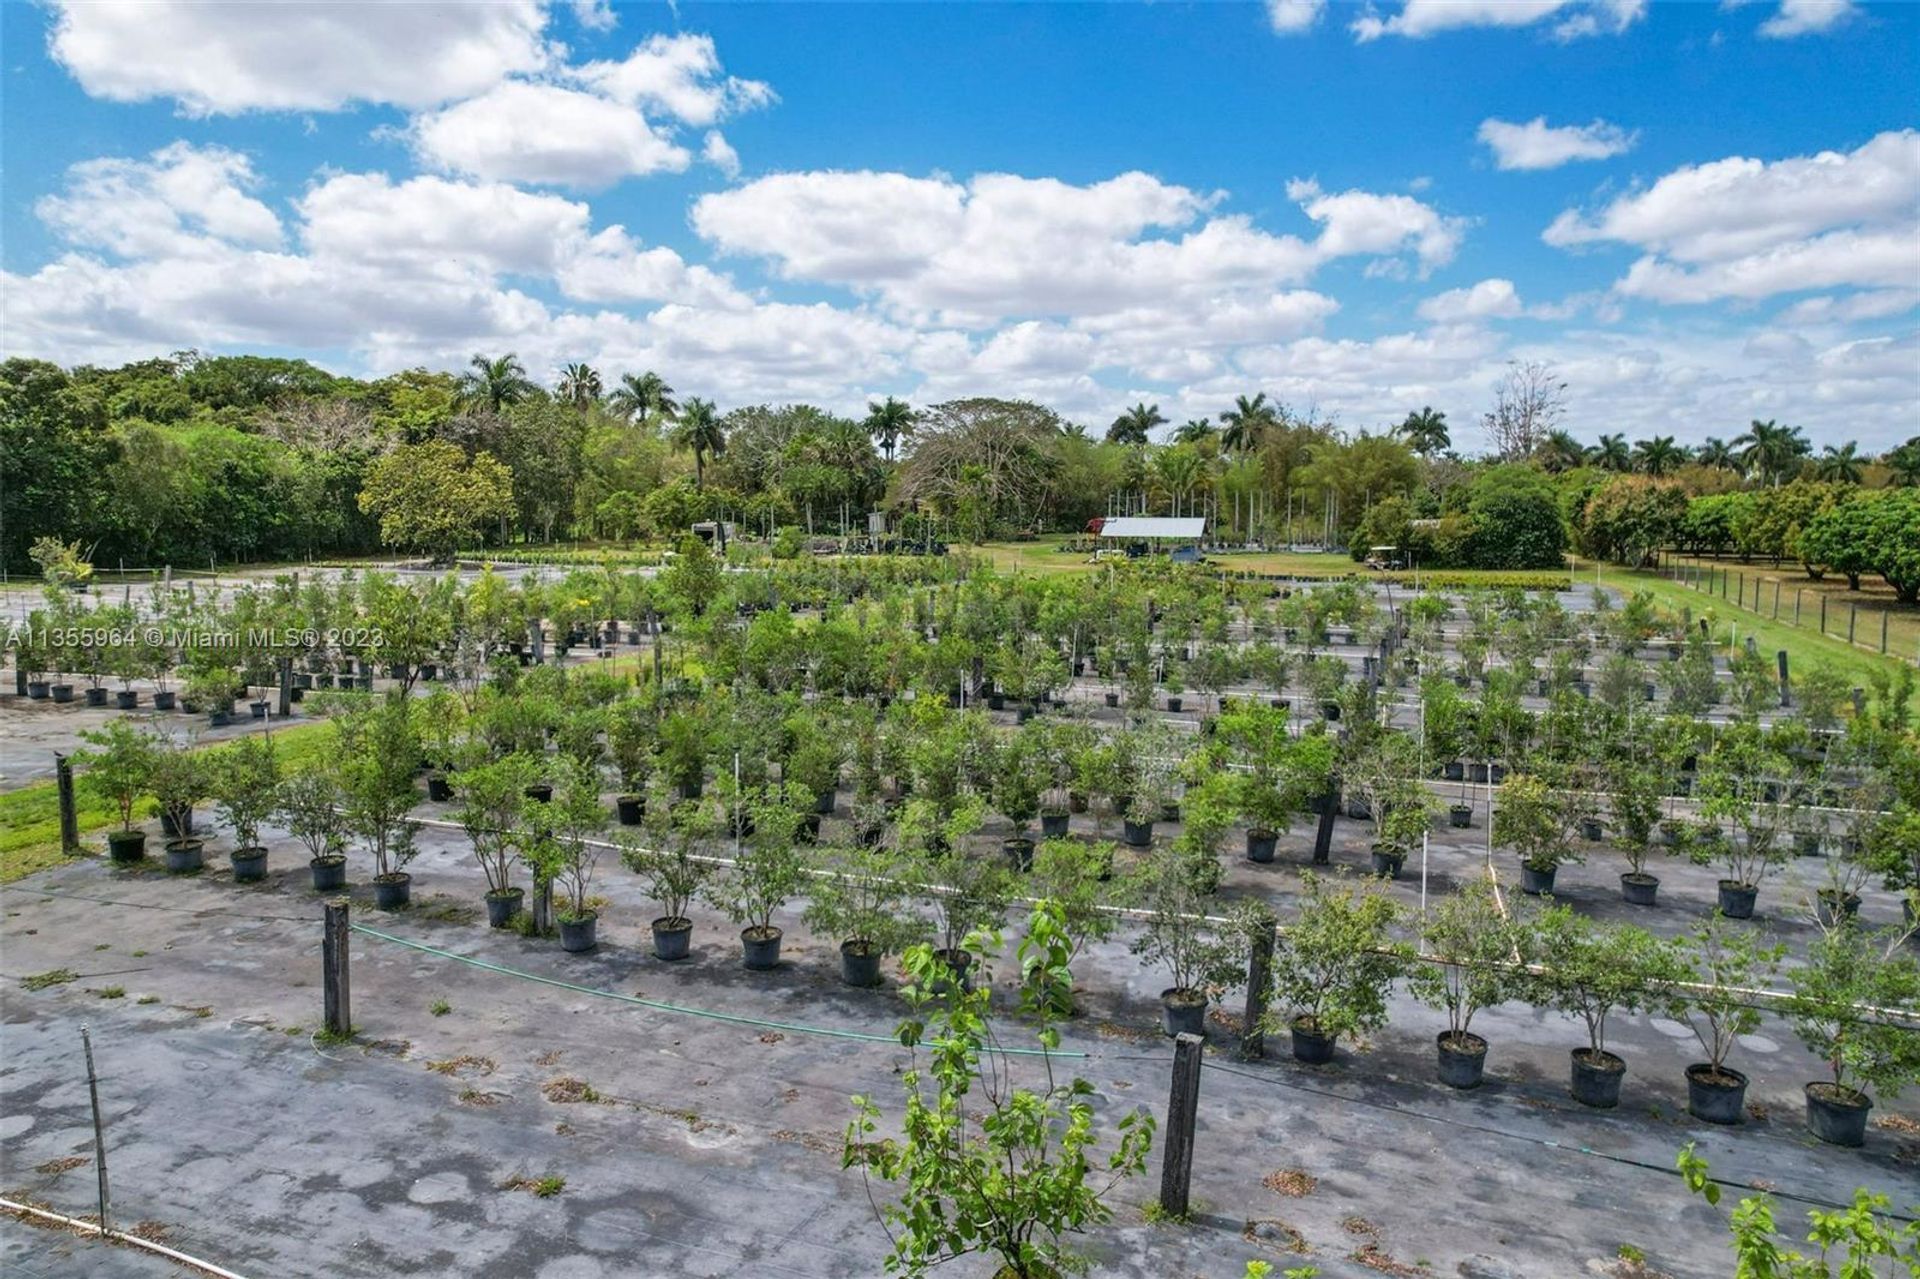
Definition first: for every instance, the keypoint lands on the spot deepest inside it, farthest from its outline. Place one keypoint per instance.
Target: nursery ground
(714, 1146)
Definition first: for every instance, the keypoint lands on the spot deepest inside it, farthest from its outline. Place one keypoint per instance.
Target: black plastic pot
(126, 846)
(1736, 900)
(760, 953)
(1359, 808)
(176, 830)
(185, 856)
(165, 699)
(393, 892)
(259, 709)
(439, 789)
(249, 865)
(540, 792)
(672, 938)
(823, 802)
(96, 697)
(1311, 1046)
(630, 808)
(577, 936)
(1640, 890)
(1261, 845)
(1054, 825)
(1596, 1080)
(1590, 828)
(1112, 699)
(1460, 816)
(1387, 865)
(38, 690)
(1183, 1012)
(1831, 909)
(1716, 1097)
(62, 693)
(1174, 703)
(1454, 770)
(1463, 1060)
(329, 874)
(220, 718)
(126, 699)
(959, 963)
(1537, 882)
(859, 965)
(1137, 834)
(503, 906)
(1019, 853)
(1837, 1115)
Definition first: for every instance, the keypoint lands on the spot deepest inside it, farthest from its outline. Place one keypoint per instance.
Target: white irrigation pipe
(120, 1236)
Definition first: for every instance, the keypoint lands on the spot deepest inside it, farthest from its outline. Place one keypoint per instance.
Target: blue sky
(1699, 213)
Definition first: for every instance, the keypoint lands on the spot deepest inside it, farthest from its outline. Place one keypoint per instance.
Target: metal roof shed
(1181, 529)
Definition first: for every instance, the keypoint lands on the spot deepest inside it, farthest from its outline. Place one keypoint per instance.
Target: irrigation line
(738, 1019)
(120, 1236)
(1279, 1081)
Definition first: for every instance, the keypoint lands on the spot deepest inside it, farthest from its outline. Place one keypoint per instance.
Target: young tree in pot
(1724, 965)
(1078, 878)
(857, 895)
(1849, 970)
(671, 869)
(683, 751)
(814, 767)
(1637, 785)
(492, 808)
(1017, 779)
(1175, 891)
(1537, 817)
(985, 1165)
(631, 726)
(1475, 954)
(968, 894)
(1748, 783)
(568, 830)
(308, 805)
(1335, 963)
(210, 689)
(246, 783)
(377, 753)
(442, 717)
(119, 770)
(765, 875)
(1593, 970)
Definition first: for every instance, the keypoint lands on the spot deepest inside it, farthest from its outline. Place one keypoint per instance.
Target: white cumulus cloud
(1291, 17)
(545, 133)
(1493, 299)
(1807, 17)
(1417, 19)
(1539, 145)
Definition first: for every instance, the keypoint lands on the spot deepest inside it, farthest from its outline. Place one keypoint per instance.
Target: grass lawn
(30, 816)
(1759, 584)
(1805, 647)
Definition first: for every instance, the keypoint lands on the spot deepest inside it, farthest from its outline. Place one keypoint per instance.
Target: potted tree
(969, 894)
(245, 785)
(630, 737)
(1474, 958)
(492, 808)
(120, 768)
(1536, 818)
(1748, 784)
(1850, 969)
(764, 876)
(1636, 785)
(1017, 780)
(1079, 880)
(671, 870)
(442, 721)
(1592, 970)
(683, 752)
(566, 832)
(1725, 963)
(377, 754)
(1334, 965)
(308, 805)
(858, 896)
(1176, 936)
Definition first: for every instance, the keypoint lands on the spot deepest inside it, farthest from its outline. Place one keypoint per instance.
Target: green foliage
(1854, 1237)
(308, 805)
(1592, 970)
(121, 766)
(1537, 818)
(1850, 968)
(1725, 961)
(1336, 961)
(429, 497)
(670, 869)
(1481, 949)
(857, 894)
(983, 1163)
(377, 753)
(246, 783)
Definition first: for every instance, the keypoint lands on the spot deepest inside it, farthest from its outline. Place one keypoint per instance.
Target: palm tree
(1715, 453)
(1426, 431)
(1658, 456)
(1247, 423)
(1771, 451)
(888, 423)
(1559, 451)
(1905, 463)
(1612, 454)
(1840, 465)
(645, 395)
(700, 432)
(1192, 431)
(579, 386)
(496, 382)
(1134, 426)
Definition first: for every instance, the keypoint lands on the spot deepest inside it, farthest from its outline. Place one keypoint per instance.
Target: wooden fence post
(1786, 690)
(1183, 1107)
(338, 1009)
(1323, 837)
(69, 816)
(1853, 620)
(1253, 1039)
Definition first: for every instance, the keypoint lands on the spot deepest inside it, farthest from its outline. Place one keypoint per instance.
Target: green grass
(30, 816)
(1805, 648)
